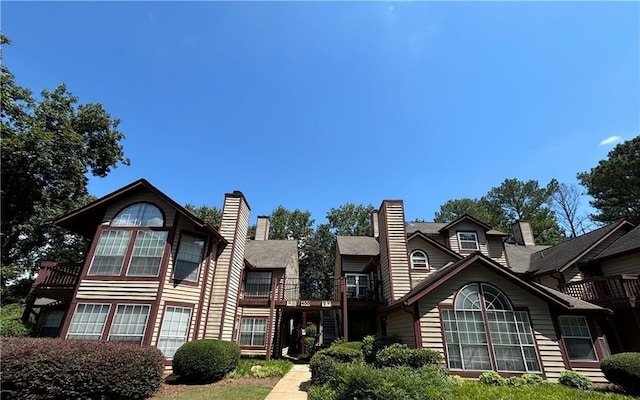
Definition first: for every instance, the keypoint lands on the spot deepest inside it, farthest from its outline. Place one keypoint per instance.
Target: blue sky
(315, 104)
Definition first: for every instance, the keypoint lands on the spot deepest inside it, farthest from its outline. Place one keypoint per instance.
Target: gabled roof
(464, 217)
(627, 243)
(435, 244)
(428, 228)
(270, 253)
(358, 246)
(450, 271)
(84, 220)
(561, 256)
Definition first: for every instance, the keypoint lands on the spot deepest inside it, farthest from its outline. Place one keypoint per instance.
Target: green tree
(49, 146)
(210, 214)
(479, 209)
(520, 200)
(351, 219)
(316, 264)
(614, 184)
(290, 225)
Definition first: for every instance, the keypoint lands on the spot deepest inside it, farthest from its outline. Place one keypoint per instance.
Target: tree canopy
(614, 184)
(209, 214)
(351, 219)
(49, 146)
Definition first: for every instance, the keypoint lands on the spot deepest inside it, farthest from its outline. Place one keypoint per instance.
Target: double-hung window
(189, 257)
(175, 326)
(88, 321)
(129, 323)
(135, 239)
(253, 332)
(468, 241)
(577, 338)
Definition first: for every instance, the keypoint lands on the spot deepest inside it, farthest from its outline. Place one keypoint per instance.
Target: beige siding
(495, 246)
(437, 259)
(384, 255)
(145, 196)
(629, 264)
(400, 323)
(467, 226)
(117, 290)
(572, 274)
(395, 248)
(353, 264)
(430, 325)
(207, 291)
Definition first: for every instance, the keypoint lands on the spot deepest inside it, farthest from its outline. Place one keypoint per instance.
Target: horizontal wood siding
(400, 323)
(144, 196)
(118, 290)
(384, 255)
(542, 324)
(628, 264)
(495, 245)
(437, 259)
(354, 264)
(397, 251)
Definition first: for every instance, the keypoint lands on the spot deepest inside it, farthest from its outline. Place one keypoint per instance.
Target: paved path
(292, 386)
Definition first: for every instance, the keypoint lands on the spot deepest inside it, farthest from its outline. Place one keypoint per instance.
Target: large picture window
(482, 312)
(253, 332)
(190, 254)
(88, 321)
(129, 323)
(175, 326)
(577, 338)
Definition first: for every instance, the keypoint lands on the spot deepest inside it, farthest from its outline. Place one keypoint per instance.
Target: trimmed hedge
(323, 364)
(575, 380)
(205, 360)
(624, 370)
(400, 355)
(372, 344)
(39, 369)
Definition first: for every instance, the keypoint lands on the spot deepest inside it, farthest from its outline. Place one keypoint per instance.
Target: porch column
(345, 322)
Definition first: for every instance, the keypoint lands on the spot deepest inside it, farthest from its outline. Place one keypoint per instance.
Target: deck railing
(297, 289)
(56, 275)
(605, 290)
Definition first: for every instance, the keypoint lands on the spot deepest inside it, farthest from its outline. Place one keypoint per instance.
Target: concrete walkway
(292, 386)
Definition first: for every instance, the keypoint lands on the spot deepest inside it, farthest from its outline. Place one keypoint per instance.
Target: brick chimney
(523, 233)
(262, 227)
(223, 301)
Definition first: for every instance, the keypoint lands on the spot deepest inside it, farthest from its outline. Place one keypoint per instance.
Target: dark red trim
(266, 332)
(417, 329)
(460, 219)
(186, 282)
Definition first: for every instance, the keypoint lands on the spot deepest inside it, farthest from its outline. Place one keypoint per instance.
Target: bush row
(39, 368)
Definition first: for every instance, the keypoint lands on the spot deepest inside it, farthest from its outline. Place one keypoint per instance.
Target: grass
(247, 392)
(476, 391)
(268, 369)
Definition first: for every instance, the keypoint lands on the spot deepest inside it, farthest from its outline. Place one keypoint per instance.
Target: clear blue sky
(315, 104)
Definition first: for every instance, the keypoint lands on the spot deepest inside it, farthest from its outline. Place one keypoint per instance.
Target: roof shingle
(271, 253)
(358, 246)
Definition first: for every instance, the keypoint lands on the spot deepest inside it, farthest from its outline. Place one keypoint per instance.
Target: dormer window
(419, 260)
(468, 241)
(139, 214)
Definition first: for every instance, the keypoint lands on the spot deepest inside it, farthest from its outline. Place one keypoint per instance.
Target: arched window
(419, 259)
(139, 214)
(481, 311)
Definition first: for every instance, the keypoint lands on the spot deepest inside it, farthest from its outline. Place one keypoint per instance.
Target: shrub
(38, 368)
(575, 380)
(205, 360)
(349, 345)
(11, 321)
(324, 392)
(492, 378)
(400, 355)
(532, 379)
(372, 344)
(343, 353)
(515, 381)
(624, 370)
(323, 368)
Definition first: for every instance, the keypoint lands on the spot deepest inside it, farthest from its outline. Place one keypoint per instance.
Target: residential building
(157, 275)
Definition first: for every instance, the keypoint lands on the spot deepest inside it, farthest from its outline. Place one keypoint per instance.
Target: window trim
(489, 343)
(75, 312)
(115, 312)
(595, 343)
(132, 244)
(426, 267)
(460, 241)
(358, 287)
(203, 256)
(266, 332)
(162, 323)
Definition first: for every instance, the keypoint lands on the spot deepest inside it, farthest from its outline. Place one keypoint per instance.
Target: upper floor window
(484, 332)
(189, 257)
(146, 252)
(139, 214)
(357, 286)
(468, 241)
(257, 284)
(419, 259)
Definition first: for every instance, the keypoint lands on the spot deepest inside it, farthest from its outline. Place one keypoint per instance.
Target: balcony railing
(605, 290)
(292, 289)
(55, 275)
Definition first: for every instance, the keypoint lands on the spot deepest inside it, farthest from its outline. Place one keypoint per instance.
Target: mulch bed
(172, 387)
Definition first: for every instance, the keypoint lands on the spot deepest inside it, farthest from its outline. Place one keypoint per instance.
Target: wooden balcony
(56, 280)
(616, 291)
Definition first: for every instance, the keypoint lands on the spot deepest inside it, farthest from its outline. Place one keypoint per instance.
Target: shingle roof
(358, 245)
(424, 227)
(446, 272)
(520, 256)
(270, 253)
(630, 241)
(557, 257)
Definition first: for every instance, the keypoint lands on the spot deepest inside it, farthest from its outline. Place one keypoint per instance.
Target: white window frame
(461, 241)
(419, 260)
(96, 253)
(113, 336)
(136, 247)
(251, 324)
(77, 324)
(360, 290)
(585, 325)
(169, 339)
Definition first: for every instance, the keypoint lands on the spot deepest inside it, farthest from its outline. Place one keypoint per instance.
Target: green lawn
(250, 392)
(477, 391)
